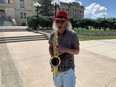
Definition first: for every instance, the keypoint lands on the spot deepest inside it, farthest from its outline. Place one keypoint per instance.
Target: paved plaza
(25, 62)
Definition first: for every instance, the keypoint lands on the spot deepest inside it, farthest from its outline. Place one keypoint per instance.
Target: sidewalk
(102, 47)
(95, 65)
(0, 76)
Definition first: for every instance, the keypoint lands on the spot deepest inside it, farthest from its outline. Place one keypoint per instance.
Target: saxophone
(55, 60)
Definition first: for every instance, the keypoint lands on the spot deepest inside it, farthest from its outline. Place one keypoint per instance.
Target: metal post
(55, 9)
(37, 5)
(37, 8)
(56, 6)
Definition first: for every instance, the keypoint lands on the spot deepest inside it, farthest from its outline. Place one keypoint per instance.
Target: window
(22, 4)
(8, 1)
(67, 10)
(21, 15)
(24, 15)
(63, 9)
(59, 8)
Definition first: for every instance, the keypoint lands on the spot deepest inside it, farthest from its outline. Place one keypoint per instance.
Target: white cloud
(68, 1)
(95, 11)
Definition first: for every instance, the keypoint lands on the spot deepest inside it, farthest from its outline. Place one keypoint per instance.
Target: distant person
(68, 45)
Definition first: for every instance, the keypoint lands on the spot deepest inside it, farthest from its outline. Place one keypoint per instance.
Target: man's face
(61, 24)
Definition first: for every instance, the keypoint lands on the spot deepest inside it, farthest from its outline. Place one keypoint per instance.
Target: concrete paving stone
(95, 64)
(111, 83)
(9, 74)
(0, 77)
(37, 64)
(1, 54)
(94, 70)
(93, 43)
(25, 33)
(112, 40)
(23, 49)
(90, 68)
(13, 27)
(102, 47)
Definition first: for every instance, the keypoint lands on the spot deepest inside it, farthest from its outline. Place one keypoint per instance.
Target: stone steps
(21, 38)
(13, 28)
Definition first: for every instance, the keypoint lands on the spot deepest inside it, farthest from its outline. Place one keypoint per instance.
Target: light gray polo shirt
(69, 40)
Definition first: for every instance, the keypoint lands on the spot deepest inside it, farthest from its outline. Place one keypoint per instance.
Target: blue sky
(97, 8)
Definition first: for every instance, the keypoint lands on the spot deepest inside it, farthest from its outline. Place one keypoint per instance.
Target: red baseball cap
(61, 15)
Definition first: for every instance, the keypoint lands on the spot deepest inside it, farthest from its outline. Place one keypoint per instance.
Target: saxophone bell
(55, 61)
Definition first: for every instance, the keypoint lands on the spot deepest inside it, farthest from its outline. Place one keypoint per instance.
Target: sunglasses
(60, 21)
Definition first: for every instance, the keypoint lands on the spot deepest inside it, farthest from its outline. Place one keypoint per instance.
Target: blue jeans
(65, 79)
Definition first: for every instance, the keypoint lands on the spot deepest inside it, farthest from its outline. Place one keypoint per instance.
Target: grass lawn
(84, 34)
(83, 37)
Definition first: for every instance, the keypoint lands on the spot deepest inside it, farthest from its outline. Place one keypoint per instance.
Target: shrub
(43, 21)
(32, 22)
(23, 24)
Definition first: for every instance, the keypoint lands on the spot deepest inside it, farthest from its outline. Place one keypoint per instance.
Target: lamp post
(37, 6)
(56, 5)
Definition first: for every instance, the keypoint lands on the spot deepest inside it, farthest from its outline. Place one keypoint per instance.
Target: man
(68, 46)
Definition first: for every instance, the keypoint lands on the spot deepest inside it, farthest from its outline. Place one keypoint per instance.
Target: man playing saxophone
(68, 46)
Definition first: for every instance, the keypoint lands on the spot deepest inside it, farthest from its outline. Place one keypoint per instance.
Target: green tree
(46, 7)
(44, 22)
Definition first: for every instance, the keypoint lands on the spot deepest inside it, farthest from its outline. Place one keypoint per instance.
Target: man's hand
(61, 49)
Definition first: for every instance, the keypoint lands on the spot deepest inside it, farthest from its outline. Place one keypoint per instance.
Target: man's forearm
(72, 51)
(68, 50)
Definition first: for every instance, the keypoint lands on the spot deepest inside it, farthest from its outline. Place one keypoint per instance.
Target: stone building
(21, 9)
(16, 9)
(74, 9)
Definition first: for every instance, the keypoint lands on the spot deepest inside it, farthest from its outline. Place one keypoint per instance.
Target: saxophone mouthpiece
(59, 27)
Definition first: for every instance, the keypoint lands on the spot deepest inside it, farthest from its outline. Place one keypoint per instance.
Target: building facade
(17, 9)
(21, 9)
(74, 9)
